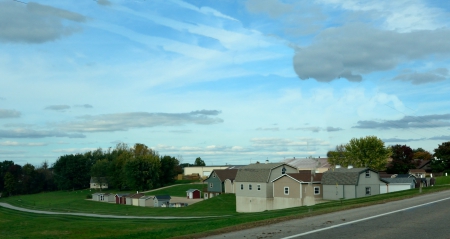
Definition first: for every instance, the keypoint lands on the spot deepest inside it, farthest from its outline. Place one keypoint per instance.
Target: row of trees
(137, 168)
(371, 152)
(132, 168)
(16, 179)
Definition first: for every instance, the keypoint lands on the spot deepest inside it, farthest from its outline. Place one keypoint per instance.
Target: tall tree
(338, 156)
(199, 162)
(402, 159)
(143, 169)
(441, 161)
(72, 171)
(4, 167)
(364, 152)
(170, 167)
(422, 154)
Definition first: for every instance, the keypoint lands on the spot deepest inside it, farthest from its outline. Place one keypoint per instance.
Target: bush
(89, 196)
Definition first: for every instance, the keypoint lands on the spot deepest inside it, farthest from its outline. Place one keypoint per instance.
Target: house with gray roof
(254, 187)
(346, 183)
(98, 183)
(398, 184)
(297, 189)
(220, 181)
(161, 200)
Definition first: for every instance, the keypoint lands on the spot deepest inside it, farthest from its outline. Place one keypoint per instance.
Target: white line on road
(363, 219)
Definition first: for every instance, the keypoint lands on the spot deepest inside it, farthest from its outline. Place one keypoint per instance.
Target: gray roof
(399, 180)
(257, 172)
(343, 176)
(192, 190)
(162, 197)
(308, 163)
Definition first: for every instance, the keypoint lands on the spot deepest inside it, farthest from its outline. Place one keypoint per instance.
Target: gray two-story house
(346, 183)
(254, 187)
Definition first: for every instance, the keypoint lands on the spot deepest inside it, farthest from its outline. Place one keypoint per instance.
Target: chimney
(350, 166)
(338, 166)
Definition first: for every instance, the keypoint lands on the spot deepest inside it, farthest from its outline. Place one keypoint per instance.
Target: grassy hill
(16, 224)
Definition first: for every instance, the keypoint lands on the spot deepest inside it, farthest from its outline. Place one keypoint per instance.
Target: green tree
(402, 159)
(422, 154)
(4, 167)
(441, 161)
(170, 167)
(72, 171)
(10, 184)
(199, 162)
(364, 152)
(142, 171)
(338, 156)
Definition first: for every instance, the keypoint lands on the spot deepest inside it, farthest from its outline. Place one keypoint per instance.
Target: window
(214, 175)
(367, 190)
(259, 187)
(316, 190)
(210, 185)
(249, 187)
(286, 190)
(367, 174)
(242, 186)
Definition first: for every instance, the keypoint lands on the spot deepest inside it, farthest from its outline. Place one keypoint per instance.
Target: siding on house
(344, 183)
(262, 174)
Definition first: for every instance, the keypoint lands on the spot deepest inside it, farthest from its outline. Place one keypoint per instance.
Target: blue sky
(228, 81)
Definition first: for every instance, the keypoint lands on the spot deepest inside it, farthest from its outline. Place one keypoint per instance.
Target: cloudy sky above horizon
(229, 81)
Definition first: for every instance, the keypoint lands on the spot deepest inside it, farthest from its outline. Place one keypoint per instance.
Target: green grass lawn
(442, 180)
(15, 224)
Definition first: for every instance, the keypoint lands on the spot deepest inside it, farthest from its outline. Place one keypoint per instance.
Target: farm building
(193, 194)
(160, 200)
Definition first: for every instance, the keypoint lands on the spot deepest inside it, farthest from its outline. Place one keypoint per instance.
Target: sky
(230, 81)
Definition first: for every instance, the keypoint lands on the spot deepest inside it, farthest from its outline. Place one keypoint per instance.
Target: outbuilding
(193, 194)
(161, 200)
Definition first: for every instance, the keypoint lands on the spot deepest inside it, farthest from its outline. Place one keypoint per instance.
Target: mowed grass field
(443, 180)
(16, 224)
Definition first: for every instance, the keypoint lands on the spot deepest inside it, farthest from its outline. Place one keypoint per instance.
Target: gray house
(220, 181)
(398, 184)
(297, 189)
(346, 183)
(146, 201)
(254, 187)
(160, 200)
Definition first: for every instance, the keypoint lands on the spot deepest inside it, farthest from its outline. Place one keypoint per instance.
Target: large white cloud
(357, 49)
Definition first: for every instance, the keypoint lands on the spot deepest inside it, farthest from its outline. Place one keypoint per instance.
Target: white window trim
(284, 190)
(249, 187)
(210, 185)
(242, 186)
(259, 187)
(367, 173)
(318, 189)
(370, 191)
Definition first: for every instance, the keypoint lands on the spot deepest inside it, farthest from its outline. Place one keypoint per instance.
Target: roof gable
(343, 176)
(259, 172)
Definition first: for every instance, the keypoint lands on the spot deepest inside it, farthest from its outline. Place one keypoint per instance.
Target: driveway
(6, 205)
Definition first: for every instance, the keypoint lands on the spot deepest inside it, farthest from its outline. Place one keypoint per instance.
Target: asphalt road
(426, 216)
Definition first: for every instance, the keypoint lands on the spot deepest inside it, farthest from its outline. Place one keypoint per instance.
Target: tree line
(123, 167)
(371, 152)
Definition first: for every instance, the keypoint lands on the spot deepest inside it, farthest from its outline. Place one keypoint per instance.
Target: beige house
(98, 182)
(419, 173)
(297, 189)
(254, 187)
